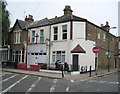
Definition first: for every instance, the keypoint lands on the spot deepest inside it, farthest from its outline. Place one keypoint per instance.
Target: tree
(5, 23)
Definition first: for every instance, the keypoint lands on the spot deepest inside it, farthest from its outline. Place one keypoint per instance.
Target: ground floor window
(58, 55)
(18, 56)
(5, 55)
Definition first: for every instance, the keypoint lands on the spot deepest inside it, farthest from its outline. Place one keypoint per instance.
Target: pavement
(58, 74)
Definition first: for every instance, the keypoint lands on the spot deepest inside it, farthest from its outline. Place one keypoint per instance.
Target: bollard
(62, 70)
(90, 71)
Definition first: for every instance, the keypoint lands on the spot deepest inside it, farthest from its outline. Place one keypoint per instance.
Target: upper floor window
(64, 32)
(41, 35)
(98, 35)
(104, 37)
(33, 36)
(17, 37)
(118, 44)
(55, 37)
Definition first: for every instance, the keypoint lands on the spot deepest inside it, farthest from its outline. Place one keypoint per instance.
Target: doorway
(75, 62)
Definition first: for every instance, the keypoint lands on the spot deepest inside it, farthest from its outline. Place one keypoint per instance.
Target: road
(12, 82)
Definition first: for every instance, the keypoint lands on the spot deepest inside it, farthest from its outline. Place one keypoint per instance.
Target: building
(18, 39)
(37, 49)
(67, 38)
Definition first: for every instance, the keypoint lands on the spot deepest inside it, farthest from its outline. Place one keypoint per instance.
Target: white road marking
(53, 85)
(13, 84)
(72, 81)
(101, 82)
(67, 89)
(92, 81)
(113, 83)
(55, 80)
(33, 85)
(8, 78)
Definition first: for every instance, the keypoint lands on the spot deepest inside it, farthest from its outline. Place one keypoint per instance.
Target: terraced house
(70, 39)
(18, 39)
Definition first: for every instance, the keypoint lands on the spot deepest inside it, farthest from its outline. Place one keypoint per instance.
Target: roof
(65, 18)
(61, 19)
(39, 23)
(78, 49)
(22, 24)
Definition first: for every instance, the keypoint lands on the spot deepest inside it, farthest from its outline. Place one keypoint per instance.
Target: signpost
(95, 50)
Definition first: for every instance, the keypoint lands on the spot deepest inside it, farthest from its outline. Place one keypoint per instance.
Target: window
(42, 35)
(118, 44)
(104, 37)
(13, 56)
(55, 33)
(17, 37)
(98, 36)
(4, 54)
(64, 32)
(33, 36)
(58, 55)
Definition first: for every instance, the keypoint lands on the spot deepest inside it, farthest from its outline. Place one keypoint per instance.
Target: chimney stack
(106, 27)
(67, 10)
(29, 19)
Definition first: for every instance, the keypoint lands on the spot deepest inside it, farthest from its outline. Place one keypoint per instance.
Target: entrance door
(75, 63)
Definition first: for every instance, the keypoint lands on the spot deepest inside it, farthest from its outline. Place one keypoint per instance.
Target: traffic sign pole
(96, 58)
(96, 50)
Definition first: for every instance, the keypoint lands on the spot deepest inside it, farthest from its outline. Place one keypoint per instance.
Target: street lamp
(108, 56)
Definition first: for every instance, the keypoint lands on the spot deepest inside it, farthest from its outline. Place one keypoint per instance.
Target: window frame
(55, 33)
(64, 32)
(41, 35)
(33, 37)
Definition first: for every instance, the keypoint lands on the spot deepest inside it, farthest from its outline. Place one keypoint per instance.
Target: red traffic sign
(95, 50)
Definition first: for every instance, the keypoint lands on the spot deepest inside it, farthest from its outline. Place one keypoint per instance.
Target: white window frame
(64, 31)
(118, 44)
(104, 37)
(61, 56)
(98, 35)
(33, 37)
(41, 36)
(55, 33)
(17, 35)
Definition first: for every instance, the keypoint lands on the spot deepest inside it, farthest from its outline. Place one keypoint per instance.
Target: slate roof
(65, 19)
(40, 23)
(61, 19)
(22, 23)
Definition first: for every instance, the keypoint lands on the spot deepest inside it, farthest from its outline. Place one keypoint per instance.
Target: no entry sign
(95, 50)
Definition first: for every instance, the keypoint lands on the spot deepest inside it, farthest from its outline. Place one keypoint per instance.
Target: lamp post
(108, 56)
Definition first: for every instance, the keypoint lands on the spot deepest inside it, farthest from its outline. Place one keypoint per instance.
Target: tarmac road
(13, 82)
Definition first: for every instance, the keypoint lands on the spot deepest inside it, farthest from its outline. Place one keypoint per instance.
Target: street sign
(95, 50)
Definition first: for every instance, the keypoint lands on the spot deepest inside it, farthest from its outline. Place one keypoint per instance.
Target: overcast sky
(95, 11)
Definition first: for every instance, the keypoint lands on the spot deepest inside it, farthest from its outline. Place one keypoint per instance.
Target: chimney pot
(67, 10)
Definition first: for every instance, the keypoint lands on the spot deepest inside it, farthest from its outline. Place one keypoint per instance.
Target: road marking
(13, 84)
(53, 85)
(91, 81)
(67, 89)
(33, 85)
(55, 80)
(113, 83)
(8, 78)
(101, 82)
(72, 81)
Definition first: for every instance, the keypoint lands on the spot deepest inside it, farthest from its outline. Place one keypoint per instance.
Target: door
(75, 63)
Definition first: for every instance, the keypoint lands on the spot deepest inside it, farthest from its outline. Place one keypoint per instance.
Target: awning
(78, 49)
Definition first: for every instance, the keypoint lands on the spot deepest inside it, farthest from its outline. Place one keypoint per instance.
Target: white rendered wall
(79, 30)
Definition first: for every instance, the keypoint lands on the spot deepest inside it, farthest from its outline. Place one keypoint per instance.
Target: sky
(95, 11)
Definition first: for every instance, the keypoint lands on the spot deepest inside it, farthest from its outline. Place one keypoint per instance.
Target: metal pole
(96, 64)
